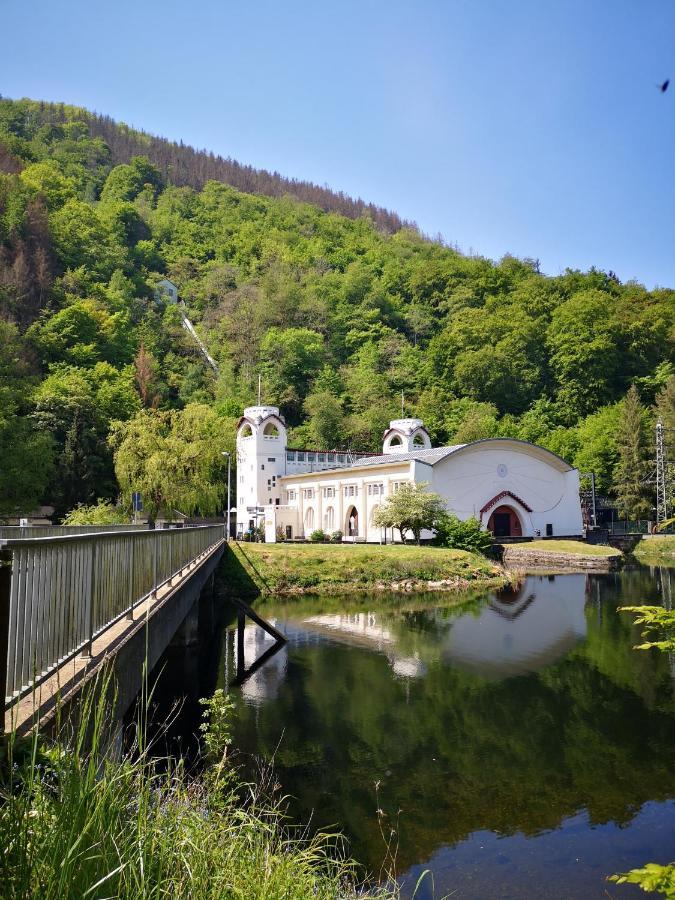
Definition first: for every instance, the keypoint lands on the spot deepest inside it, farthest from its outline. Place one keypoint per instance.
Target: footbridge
(74, 598)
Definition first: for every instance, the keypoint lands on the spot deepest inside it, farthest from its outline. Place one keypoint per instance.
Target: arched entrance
(505, 522)
(352, 528)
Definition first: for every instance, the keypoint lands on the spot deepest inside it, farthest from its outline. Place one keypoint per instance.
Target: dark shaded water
(517, 744)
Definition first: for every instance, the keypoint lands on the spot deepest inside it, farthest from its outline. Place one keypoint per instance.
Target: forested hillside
(339, 315)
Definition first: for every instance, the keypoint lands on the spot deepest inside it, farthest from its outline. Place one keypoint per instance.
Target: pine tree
(631, 473)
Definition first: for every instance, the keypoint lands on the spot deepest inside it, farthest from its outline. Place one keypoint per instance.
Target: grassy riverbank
(77, 824)
(252, 569)
(656, 551)
(574, 548)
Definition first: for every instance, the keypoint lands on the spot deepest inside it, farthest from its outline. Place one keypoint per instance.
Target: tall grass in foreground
(76, 821)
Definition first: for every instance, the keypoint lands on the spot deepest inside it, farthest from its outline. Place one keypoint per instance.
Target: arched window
(309, 519)
(418, 440)
(271, 430)
(329, 519)
(395, 441)
(246, 431)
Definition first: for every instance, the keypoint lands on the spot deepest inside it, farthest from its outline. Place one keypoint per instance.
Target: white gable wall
(471, 477)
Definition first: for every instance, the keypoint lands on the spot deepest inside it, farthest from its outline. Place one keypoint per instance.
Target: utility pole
(259, 387)
(661, 468)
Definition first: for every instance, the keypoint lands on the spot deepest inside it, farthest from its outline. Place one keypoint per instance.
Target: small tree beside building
(411, 508)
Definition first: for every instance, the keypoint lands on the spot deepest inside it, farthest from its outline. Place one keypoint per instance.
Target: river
(514, 745)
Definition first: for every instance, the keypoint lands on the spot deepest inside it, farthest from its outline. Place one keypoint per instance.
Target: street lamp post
(229, 461)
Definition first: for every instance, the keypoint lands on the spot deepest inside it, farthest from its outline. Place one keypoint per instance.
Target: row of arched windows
(329, 523)
(270, 430)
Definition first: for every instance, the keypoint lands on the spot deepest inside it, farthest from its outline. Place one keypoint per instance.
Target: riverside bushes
(76, 823)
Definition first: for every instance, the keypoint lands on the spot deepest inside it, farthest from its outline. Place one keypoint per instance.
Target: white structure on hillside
(516, 489)
(166, 290)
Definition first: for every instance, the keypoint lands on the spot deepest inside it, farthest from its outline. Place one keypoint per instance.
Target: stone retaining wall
(518, 558)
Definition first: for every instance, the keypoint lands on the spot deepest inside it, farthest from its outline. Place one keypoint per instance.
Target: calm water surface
(517, 743)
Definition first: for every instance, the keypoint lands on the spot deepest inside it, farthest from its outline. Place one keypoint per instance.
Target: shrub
(101, 513)
(318, 536)
(462, 535)
(336, 537)
(281, 535)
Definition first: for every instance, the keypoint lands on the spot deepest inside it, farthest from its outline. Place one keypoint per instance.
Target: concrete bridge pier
(200, 622)
(187, 634)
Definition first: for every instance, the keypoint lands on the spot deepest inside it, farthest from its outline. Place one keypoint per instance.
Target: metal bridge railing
(11, 532)
(58, 593)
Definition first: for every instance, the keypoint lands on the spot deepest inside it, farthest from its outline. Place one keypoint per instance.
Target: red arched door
(504, 522)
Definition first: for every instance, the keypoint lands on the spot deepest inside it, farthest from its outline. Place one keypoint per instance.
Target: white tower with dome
(261, 461)
(405, 436)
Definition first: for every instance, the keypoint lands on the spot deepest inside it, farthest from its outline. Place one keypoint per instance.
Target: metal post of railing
(5, 585)
(155, 554)
(90, 616)
(130, 613)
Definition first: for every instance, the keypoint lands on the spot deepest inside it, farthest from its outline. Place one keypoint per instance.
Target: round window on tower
(502, 471)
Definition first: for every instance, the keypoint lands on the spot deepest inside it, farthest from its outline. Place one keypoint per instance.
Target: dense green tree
(289, 358)
(325, 426)
(585, 353)
(597, 448)
(174, 459)
(633, 467)
(75, 406)
(26, 451)
(81, 239)
(127, 181)
(46, 179)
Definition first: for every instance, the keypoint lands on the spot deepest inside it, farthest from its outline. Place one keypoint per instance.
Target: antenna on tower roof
(259, 387)
(402, 402)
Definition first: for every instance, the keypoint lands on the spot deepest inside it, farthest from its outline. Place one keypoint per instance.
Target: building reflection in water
(521, 629)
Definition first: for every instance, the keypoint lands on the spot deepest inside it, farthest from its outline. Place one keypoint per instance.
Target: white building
(166, 290)
(514, 488)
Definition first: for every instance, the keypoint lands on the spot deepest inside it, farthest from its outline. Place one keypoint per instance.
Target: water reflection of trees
(456, 752)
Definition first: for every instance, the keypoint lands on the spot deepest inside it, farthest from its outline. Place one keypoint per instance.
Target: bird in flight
(663, 87)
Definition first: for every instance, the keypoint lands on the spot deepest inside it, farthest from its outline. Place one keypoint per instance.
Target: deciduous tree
(411, 508)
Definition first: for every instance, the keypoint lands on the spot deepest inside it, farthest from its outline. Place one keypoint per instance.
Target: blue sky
(525, 126)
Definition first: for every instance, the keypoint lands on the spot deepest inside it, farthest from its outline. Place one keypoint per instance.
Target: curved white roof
(437, 454)
(431, 456)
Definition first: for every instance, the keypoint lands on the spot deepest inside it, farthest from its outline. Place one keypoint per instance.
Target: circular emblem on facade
(502, 471)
